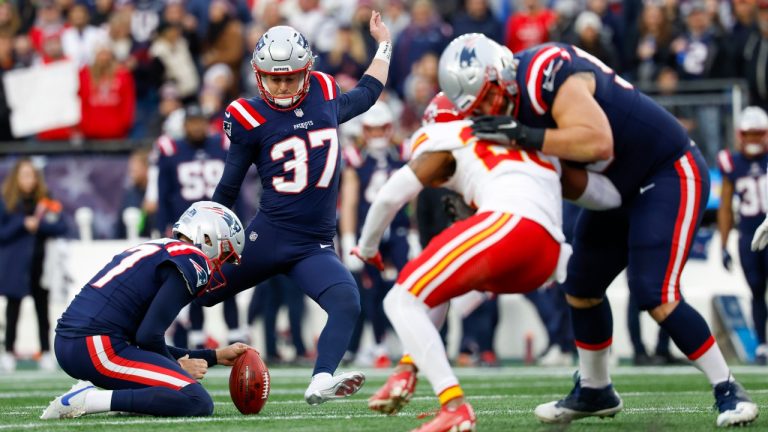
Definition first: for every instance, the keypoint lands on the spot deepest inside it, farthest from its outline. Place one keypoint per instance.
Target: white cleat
(743, 414)
(71, 404)
(326, 387)
(735, 406)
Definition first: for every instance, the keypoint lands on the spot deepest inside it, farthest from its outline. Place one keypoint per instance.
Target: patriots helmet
(282, 50)
(216, 231)
(470, 67)
(753, 128)
(440, 110)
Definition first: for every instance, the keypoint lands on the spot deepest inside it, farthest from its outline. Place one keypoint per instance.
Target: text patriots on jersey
(303, 125)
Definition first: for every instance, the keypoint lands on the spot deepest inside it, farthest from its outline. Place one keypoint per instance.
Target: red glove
(375, 260)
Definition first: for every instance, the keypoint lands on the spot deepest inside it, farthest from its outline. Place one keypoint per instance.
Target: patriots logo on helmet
(467, 56)
(261, 43)
(202, 274)
(234, 226)
(301, 40)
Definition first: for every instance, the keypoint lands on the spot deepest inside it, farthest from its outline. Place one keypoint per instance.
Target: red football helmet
(440, 110)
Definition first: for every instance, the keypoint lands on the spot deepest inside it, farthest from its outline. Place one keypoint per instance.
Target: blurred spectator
(200, 10)
(24, 52)
(426, 33)
(420, 86)
(700, 50)
(170, 118)
(7, 62)
(651, 48)
(219, 79)
(306, 16)
(175, 13)
(395, 15)
(347, 57)
(566, 12)
(9, 18)
(588, 29)
(224, 41)
(745, 13)
(133, 195)
(107, 94)
(756, 58)
(673, 15)
(248, 78)
(476, 17)
(101, 12)
(52, 53)
(145, 16)
(270, 15)
(119, 36)
(173, 51)
(28, 217)
(529, 26)
(49, 22)
(81, 38)
(612, 30)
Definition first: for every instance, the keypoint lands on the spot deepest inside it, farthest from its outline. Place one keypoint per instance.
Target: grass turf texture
(655, 399)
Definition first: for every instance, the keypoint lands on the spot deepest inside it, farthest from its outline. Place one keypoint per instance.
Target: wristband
(532, 138)
(384, 52)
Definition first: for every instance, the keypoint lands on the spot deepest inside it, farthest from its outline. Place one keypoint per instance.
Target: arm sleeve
(238, 161)
(359, 99)
(402, 187)
(170, 298)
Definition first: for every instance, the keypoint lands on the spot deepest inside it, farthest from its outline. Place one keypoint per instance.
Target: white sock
(98, 401)
(321, 376)
(713, 365)
(593, 367)
(420, 338)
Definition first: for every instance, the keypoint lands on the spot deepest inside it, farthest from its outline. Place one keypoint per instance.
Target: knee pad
(200, 402)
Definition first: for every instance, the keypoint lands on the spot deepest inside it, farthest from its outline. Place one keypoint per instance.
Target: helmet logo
(467, 57)
(281, 69)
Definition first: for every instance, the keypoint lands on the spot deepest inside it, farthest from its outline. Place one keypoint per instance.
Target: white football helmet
(282, 51)
(378, 116)
(215, 230)
(470, 66)
(753, 128)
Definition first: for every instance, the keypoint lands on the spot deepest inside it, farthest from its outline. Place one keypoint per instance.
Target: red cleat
(382, 362)
(462, 419)
(395, 393)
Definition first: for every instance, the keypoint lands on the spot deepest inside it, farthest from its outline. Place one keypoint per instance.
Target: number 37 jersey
(495, 178)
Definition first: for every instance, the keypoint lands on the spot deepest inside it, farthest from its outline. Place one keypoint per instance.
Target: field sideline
(655, 399)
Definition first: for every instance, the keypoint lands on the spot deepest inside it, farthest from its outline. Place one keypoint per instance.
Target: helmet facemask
(281, 51)
(283, 102)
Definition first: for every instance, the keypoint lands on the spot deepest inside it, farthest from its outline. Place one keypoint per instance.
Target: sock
(593, 331)
(98, 401)
(406, 359)
(420, 339)
(322, 376)
(691, 334)
(342, 303)
(450, 394)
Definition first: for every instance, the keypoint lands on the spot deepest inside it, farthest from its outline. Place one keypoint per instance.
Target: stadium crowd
(141, 62)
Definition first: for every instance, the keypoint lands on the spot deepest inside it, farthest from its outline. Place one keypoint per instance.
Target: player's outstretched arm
(588, 189)
(379, 67)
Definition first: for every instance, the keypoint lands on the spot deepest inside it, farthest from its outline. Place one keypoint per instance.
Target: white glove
(353, 263)
(760, 239)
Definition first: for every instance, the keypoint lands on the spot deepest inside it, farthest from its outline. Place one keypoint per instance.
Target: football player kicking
(290, 134)
(513, 244)
(112, 334)
(561, 100)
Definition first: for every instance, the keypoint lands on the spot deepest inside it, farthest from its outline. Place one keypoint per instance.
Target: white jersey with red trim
(491, 177)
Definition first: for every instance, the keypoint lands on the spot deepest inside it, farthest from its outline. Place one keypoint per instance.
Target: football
(249, 383)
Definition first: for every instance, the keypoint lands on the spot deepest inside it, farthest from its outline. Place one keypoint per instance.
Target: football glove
(507, 131)
(727, 260)
(375, 260)
(760, 239)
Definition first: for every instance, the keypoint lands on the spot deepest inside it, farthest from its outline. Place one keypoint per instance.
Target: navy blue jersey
(645, 136)
(749, 183)
(186, 174)
(296, 152)
(373, 172)
(115, 301)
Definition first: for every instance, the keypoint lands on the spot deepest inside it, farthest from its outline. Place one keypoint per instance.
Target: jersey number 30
(300, 162)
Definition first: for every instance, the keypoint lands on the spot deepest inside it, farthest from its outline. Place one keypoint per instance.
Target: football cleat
(71, 404)
(461, 419)
(735, 407)
(335, 387)
(395, 393)
(581, 402)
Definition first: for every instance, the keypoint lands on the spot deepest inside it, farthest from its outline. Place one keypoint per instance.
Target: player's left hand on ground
(195, 367)
(760, 239)
(504, 130)
(226, 356)
(375, 260)
(727, 260)
(379, 30)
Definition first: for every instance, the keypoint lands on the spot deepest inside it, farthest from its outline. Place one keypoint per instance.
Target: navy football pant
(755, 266)
(312, 264)
(650, 235)
(144, 382)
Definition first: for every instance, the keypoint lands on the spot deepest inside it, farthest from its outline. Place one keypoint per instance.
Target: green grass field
(655, 399)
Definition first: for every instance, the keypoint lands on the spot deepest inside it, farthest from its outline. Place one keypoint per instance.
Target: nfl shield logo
(299, 112)
(228, 128)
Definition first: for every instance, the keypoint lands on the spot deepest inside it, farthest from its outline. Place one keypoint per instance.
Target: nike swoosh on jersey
(644, 189)
(227, 114)
(322, 246)
(65, 399)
